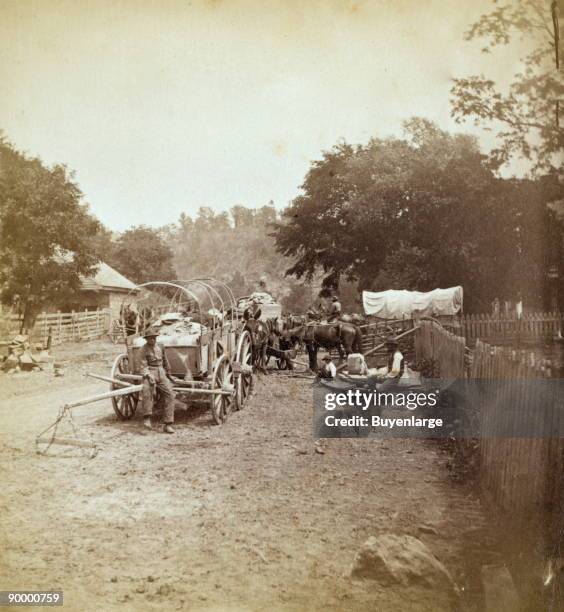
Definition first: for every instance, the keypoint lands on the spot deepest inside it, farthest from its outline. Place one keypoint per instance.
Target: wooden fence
(375, 333)
(532, 327)
(61, 326)
(433, 342)
(522, 478)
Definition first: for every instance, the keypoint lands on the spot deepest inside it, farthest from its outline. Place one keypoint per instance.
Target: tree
(242, 216)
(103, 244)
(416, 213)
(142, 255)
(528, 116)
(45, 233)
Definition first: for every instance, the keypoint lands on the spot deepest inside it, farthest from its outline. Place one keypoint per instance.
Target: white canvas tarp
(403, 304)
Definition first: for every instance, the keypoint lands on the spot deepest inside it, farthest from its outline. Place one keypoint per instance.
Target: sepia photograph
(282, 305)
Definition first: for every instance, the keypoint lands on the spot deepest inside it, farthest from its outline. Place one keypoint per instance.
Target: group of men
(388, 376)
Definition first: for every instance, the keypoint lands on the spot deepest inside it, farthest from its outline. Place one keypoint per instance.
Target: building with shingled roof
(107, 288)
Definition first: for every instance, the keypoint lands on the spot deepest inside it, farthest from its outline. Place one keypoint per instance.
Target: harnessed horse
(345, 337)
(261, 332)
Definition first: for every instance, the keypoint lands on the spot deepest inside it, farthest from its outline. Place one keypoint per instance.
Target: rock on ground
(401, 559)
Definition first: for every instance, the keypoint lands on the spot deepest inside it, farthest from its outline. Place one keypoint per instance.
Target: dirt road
(246, 516)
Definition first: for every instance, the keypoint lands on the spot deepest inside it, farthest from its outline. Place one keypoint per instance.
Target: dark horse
(128, 319)
(261, 334)
(345, 337)
(280, 347)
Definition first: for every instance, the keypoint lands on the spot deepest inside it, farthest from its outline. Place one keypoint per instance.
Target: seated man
(328, 370)
(155, 370)
(395, 366)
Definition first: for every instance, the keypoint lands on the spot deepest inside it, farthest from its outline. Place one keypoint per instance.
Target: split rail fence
(60, 326)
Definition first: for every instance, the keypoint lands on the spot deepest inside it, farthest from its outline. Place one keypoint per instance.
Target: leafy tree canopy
(416, 213)
(142, 255)
(236, 247)
(528, 116)
(45, 232)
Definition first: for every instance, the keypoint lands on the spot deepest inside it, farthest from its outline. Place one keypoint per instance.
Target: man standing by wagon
(155, 370)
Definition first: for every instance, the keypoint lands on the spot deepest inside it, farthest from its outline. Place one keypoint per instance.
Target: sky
(164, 106)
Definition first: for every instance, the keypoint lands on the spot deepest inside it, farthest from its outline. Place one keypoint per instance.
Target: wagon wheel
(222, 405)
(244, 382)
(115, 332)
(124, 405)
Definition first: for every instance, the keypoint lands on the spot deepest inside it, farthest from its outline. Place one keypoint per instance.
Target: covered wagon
(397, 305)
(205, 343)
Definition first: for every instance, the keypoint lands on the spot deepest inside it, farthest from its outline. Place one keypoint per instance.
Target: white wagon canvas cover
(402, 304)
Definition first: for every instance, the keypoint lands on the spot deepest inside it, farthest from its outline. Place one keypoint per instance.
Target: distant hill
(236, 248)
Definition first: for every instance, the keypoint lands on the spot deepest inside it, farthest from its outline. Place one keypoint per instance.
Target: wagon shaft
(115, 381)
(226, 392)
(108, 395)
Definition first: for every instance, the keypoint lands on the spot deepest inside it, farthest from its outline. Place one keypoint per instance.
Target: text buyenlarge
(377, 421)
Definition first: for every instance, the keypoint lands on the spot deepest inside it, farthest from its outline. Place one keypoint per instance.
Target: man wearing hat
(334, 309)
(155, 370)
(328, 369)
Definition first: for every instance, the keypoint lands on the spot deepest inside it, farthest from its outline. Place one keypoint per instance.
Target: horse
(345, 337)
(260, 332)
(354, 318)
(290, 321)
(128, 319)
(278, 346)
(145, 318)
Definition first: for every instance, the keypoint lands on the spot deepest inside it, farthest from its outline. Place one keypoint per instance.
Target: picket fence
(530, 328)
(520, 476)
(59, 326)
(522, 479)
(433, 342)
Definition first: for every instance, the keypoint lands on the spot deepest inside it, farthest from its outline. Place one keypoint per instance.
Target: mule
(128, 319)
(260, 332)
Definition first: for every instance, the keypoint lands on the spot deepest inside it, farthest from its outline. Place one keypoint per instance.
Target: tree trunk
(29, 316)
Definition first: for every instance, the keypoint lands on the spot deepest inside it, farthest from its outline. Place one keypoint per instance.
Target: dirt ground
(246, 516)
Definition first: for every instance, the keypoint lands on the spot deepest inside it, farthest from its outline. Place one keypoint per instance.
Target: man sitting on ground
(395, 366)
(328, 370)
